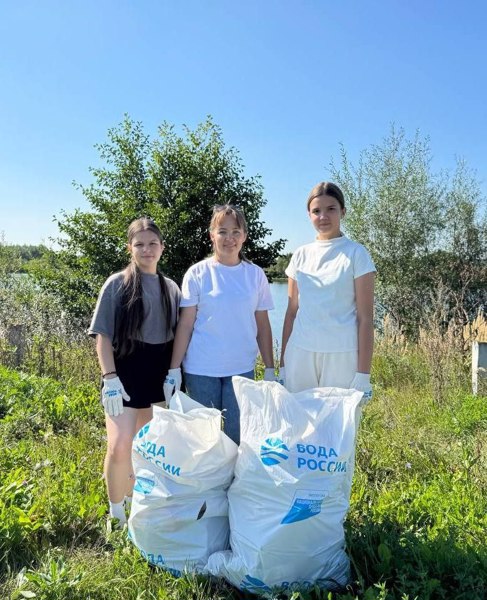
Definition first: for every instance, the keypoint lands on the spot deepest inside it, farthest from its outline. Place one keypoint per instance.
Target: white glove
(172, 383)
(361, 382)
(112, 396)
(269, 374)
(281, 378)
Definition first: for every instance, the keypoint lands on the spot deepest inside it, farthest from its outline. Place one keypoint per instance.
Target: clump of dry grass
(442, 341)
(445, 358)
(476, 330)
(438, 359)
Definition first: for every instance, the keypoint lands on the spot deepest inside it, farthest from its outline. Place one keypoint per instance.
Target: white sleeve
(291, 268)
(362, 262)
(190, 290)
(264, 301)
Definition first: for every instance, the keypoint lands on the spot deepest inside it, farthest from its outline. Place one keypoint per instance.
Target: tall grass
(417, 525)
(38, 336)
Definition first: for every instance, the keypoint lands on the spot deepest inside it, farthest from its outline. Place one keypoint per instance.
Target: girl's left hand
(361, 383)
(172, 383)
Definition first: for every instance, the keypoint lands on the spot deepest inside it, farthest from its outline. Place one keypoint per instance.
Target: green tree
(277, 269)
(10, 259)
(174, 179)
(423, 229)
(20, 255)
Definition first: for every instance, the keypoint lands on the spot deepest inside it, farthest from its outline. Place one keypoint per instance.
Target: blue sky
(287, 81)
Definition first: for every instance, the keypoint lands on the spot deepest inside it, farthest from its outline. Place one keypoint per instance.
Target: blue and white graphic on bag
(144, 485)
(158, 561)
(154, 559)
(306, 504)
(320, 458)
(254, 585)
(142, 431)
(156, 453)
(273, 451)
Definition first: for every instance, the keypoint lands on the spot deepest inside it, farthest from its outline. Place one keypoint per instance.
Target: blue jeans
(217, 392)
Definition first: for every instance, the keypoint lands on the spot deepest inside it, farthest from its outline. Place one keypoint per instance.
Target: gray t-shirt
(153, 330)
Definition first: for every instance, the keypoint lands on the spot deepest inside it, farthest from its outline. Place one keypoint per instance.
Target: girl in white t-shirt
(223, 321)
(328, 333)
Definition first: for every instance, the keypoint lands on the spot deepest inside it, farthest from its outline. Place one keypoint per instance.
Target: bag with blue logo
(183, 465)
(291, 491)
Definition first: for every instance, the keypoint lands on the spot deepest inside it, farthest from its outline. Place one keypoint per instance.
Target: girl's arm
(292, 309)
(264, 338)
(184, 331)
(364, 297)
(104, 351)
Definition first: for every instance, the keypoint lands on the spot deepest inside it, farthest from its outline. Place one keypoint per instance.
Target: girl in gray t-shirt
(133, 322)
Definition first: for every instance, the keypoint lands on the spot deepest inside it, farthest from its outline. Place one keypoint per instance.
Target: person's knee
(120, 449)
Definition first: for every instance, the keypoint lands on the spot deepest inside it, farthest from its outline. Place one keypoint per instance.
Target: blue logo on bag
(304, 508)
(143, 485)
(252, 584)
(142, 431)
(273, 451)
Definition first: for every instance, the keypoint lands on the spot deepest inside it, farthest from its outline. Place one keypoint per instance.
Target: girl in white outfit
(223, 322)
(327, 337)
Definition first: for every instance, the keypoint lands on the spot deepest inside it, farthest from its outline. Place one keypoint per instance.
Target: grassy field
(417, 526)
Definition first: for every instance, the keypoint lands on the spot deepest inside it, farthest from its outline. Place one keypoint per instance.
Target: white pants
(306, 369)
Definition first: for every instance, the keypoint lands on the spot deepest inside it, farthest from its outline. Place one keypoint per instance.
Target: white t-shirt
(325, 271)
(224, 336)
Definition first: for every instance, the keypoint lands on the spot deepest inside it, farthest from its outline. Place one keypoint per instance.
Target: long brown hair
(130, 316)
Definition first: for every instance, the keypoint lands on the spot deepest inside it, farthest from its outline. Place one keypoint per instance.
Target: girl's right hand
(172, 383)
(112, 396)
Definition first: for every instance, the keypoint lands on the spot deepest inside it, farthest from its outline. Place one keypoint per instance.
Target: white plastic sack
(291, 490)
(183, 464)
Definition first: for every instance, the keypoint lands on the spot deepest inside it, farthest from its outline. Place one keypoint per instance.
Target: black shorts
(143, 372)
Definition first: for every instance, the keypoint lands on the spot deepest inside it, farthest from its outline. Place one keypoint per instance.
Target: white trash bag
(291, 491)
(183, 464)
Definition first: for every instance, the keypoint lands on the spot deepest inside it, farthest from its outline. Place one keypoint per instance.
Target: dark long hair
(130, 316)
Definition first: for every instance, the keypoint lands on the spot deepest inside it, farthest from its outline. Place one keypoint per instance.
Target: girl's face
(228, 239)
(325, 214)
(146, 249)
